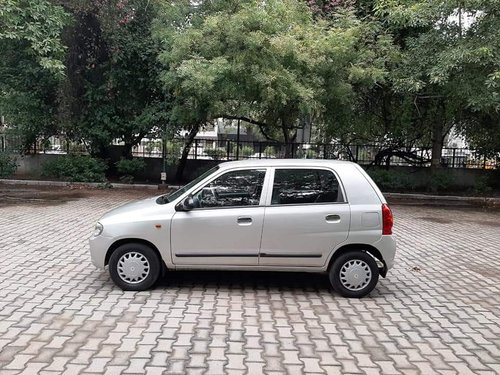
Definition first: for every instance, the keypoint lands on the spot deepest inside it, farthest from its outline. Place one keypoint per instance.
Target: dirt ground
(54, 195)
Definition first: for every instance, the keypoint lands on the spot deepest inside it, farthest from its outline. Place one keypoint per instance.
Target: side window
(237, 188)
(303, 186)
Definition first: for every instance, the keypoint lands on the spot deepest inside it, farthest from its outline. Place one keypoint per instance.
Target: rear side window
(305, 186)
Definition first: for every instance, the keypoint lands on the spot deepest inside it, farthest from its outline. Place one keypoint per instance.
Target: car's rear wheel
(134, 266)
(354, 274)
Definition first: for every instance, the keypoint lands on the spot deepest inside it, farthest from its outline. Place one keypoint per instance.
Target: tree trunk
(127, 151)
(288, 139)
(185, 152)
(437, 145)
(438, 137)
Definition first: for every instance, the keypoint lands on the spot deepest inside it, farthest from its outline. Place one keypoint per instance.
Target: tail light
(387, 220)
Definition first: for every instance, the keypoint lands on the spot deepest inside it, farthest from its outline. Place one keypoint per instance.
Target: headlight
(98, 229)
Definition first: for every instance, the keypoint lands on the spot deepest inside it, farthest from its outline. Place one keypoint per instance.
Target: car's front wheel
(354, 274)
(134, 266)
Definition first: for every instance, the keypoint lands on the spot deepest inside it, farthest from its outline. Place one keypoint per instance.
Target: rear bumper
(387, 248)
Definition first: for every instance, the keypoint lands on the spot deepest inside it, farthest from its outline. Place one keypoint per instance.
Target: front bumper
(98, 248)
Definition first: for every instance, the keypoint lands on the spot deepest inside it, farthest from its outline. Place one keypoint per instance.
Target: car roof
(283, 162)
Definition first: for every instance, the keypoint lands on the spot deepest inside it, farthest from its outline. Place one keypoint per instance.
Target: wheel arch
(373, 251)
(124, 241)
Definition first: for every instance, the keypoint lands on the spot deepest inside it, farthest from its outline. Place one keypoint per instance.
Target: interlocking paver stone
(438, 311)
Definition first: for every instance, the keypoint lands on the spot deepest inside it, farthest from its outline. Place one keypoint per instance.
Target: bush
(311, 154)
(483, 185)
(269, 151)
(76, 168)
(173, 152)
(247, 151)
(127, 168)
(130, 166)
(440, 181)
(391, 180)
(216, 153)
(153, 146)
(8, 165)
(401, 181)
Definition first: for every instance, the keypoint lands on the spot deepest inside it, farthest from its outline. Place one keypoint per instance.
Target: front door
(306, 218)
(225, 227)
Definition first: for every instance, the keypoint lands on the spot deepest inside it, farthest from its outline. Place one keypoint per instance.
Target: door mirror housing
(187, 204)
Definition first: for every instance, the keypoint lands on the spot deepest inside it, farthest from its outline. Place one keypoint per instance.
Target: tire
(361, 279)
(134, 266)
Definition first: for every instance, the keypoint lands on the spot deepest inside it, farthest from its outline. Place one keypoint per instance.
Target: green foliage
(218, 153)
(392, 180)
(389, 72)
(130, 166)
(246, 151)
(449, 61)
(36, 24)
(31, 66)
(269, 151)
(266, 61)
(113, 91)
(483, 185)
(173, 152)
(76, 168)
(28, 93)
(8, 165)
(311, 154)
(153, 147)
(440, 181)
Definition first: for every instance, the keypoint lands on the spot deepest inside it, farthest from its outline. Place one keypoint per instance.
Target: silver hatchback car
(267, 215)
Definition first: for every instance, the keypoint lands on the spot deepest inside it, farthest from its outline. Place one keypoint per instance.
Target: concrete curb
(82, 184)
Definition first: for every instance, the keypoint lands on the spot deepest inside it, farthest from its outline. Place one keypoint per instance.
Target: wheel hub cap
(133, 267)
(355, 275)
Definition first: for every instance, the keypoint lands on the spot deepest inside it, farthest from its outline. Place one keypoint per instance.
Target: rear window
(305, 186)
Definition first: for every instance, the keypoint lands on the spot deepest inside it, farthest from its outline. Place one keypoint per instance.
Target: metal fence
(223, 150)
(51, 145)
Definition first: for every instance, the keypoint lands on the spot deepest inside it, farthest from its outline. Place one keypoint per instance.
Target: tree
(37, 23)
(112, 91)
(267, 63)
(31, 66)
(447, 65)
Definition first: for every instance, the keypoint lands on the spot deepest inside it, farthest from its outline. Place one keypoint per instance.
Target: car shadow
(246, 280)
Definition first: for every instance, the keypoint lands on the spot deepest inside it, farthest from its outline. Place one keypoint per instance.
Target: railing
(51, 145)
(222, 150)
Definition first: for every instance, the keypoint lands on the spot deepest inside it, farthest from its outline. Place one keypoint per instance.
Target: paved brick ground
(437, 312)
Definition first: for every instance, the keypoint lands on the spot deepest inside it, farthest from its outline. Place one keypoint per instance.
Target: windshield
(176, 194)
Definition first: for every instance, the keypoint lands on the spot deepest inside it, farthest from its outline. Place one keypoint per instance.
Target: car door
(225, 227)
(306, 217)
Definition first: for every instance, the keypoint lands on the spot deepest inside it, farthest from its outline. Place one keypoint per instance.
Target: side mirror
(187, 204)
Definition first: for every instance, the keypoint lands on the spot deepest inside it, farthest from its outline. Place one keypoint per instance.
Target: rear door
(306, 217)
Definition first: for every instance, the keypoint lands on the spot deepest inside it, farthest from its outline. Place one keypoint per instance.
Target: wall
(30, 166)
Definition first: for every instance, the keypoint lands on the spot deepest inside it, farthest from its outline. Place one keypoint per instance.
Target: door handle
(244, 221)
(332, 218)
